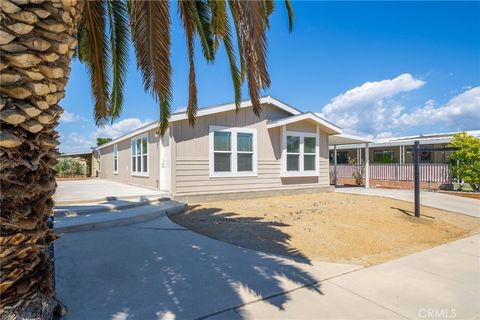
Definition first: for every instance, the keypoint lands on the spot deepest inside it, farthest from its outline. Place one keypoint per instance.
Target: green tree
(68, 167)
(101, 141)
(466, 160)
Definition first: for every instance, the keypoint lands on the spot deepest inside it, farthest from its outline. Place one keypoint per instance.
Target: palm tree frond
(187, 11)
(94, 39)
(150, 25)
(218, 17)
(235, 73)
(250, 20)
(268, 6)
(288, 5)
(119, 34)
(201, 17)
(241, 49)
(83, 50)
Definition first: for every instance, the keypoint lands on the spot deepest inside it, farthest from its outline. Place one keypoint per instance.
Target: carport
(348, 139)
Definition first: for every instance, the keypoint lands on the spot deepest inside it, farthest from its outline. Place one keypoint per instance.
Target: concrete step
(112, 204)
(108, 219)
(137, 197)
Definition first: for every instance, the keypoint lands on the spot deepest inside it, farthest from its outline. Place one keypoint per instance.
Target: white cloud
(462, 112)
(74, 142)
(369, 108)
(77, 142)
(385, 134)
(69, 117)
(120, 128)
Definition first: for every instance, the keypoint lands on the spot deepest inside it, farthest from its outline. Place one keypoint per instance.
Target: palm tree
(38, 39)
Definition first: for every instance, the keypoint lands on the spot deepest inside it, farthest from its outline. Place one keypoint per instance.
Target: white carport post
(367, 166)
(335, 165)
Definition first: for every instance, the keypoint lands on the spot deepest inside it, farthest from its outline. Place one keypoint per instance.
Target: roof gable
(178, 116)
(329, 127)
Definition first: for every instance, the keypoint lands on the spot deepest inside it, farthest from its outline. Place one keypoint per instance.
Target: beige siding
(302, 126)
(124, 163)
(191, 174)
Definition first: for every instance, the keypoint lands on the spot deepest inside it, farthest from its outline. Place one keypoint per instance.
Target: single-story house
(227, 152)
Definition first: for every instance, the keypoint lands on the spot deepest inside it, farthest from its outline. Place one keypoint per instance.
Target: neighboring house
(227, 151)
(390, 161)
(398, 149)
(89, 158)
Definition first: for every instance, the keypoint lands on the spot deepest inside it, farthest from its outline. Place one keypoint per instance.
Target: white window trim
(301, 172)
(234, 152)
(140, 174)
(115, 151)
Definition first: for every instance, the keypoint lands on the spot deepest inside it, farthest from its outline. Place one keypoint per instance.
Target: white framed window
(232, 151)
(115, 159)
(300, 154)
(139, 156)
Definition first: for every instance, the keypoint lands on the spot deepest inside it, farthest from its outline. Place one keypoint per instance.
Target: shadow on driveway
(158, 270)
(249, 232)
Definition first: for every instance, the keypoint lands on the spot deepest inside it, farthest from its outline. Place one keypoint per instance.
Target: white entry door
(165, 164)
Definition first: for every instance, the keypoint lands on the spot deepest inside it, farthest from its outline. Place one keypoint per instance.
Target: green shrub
(70, 167)
(466, 160)
(358, 172)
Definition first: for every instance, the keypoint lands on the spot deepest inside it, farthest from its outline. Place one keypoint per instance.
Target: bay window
(300, 154)
(139, 150)
(232, 151)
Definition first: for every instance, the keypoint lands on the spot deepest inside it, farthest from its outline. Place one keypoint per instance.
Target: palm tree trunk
(36, 43)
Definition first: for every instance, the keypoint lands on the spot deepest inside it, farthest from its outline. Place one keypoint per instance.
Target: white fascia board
(231, 106)
(144, 129)
(305, 116)
(348, 139)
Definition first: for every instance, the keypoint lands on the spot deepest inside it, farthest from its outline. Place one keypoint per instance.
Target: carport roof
(342, 139)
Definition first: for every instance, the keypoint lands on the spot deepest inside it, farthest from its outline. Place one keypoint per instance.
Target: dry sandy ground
(327, 226)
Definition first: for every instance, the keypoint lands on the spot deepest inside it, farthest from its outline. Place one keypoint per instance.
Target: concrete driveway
(96, 190)
(159, 270)
(437, 200)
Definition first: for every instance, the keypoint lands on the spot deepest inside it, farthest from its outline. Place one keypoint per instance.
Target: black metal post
(416, 150)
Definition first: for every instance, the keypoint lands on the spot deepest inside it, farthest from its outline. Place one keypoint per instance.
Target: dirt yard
(327, 226)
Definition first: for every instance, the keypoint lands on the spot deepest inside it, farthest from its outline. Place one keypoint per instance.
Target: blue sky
(374, 68)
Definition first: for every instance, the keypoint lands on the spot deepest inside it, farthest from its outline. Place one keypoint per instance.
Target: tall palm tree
(38, 39)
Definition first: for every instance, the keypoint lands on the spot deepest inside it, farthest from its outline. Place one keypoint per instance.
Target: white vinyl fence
(429, 172)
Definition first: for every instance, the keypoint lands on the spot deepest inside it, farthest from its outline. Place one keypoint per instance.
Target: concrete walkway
(437, 200)
(97, 190)
(159, 270)
(440, 283)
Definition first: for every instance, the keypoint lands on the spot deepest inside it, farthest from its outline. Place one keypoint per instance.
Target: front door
(165, 164)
